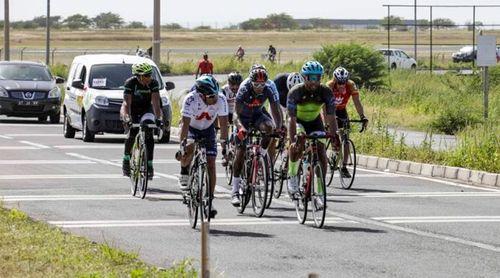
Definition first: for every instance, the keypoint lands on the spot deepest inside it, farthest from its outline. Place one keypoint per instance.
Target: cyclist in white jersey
(229, 90)
(200, 109)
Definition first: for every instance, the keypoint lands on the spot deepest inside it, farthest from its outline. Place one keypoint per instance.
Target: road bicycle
(280, 167)
(139, 172)
(231, 151)
(311, 183)
(336, 158)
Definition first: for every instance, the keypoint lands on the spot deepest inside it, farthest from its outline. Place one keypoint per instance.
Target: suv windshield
(24, 72)
(113, 76)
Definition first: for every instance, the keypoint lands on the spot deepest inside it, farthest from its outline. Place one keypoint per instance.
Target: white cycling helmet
(293, 79)
(341, 74)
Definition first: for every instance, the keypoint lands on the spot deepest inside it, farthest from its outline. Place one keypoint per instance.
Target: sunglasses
(313, 77)
(259, 85)
(211, 96)
(146, 76)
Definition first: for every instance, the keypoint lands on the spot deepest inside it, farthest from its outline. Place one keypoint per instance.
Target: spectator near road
(204, 66)
(240, 52)
(271, 53)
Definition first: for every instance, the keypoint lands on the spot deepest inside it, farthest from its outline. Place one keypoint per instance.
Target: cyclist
(199, 110)
(240, 53)
(284, 83)
(141, 99)
(229, 90)
(271, 53)
(305, 102)
(250, 111)
(205, 66)
(343, 88)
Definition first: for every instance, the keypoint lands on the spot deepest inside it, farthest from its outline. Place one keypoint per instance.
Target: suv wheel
(68, 130)
(42, 119)
(87, 135)
(55, 118)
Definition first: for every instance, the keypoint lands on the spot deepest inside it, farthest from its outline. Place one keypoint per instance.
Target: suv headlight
(3, 93)
(102, 101)
(55, 93)
(165, 101)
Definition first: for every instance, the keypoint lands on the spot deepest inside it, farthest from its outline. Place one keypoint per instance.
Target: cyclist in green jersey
(304, 104)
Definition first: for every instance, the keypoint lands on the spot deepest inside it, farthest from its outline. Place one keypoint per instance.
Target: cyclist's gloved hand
(364, 124)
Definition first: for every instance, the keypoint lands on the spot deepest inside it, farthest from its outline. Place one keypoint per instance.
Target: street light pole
(6, 31)
(47, 37)
(156, 33)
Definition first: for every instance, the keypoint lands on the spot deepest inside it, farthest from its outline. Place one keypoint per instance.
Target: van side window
(83, 73)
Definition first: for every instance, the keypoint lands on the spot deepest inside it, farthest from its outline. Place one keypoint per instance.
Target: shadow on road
(371, 190)
(239, 234)
(336, 201)
(352, 229)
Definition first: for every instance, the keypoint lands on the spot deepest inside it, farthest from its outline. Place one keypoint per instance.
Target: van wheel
(393, 66)
(55, 118)
(68, 130)
(42, 119)
(87, 135)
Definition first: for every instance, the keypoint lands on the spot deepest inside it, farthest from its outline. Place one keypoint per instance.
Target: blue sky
(224, 12)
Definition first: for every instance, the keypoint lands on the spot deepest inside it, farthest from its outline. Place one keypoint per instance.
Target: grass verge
(33, 249)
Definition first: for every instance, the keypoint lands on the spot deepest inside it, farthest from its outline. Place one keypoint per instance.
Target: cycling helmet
(293, 79)
(257, 66)
(207, 85)
(142, 69)
(312, 68)
(234, 78)
(258, 75)
(341, 74)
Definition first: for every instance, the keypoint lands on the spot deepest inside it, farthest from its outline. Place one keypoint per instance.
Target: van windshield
(113, 76)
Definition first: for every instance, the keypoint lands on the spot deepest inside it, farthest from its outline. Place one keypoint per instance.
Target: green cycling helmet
(142, 69)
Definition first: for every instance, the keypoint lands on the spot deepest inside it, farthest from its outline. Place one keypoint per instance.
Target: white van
(94, 95)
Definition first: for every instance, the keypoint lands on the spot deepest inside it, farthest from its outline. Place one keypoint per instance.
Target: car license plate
(27, 102)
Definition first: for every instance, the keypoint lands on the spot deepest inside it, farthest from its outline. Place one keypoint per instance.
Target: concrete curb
(430, 170)
(423, 169)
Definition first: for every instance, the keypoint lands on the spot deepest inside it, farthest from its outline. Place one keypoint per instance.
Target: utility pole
(156, 33)
(6, 31)
(47, 35)
(415, 35)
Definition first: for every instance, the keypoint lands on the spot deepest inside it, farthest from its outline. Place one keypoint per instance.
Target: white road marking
(5, 137)
(180, 222)
(415, 195)
(34, 124)
(434, 180)
(9, 148)
(76, 176)
(114, 146)
(150, 196)
(34, 134)
(438, 219)
(35, 144)
(44, 162)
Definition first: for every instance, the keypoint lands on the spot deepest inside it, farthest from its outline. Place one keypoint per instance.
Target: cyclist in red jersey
(343, 88)
(204, 66)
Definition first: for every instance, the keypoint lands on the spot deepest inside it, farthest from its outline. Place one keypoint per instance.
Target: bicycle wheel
(193, 196)
(245, 192)
(229, 166)
(143, 172)
(301, 203)
(331, 166)
(134, 169)
(205, 192)
(318, 196)
(280, 174)
(270, 178)
(260, 186)
(347, 182)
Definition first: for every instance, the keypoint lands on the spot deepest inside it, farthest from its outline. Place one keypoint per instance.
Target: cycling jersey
(230, 97)
(253, 103)
(306, 105)
(141, 94)
(281, 86)
(203, 115)
(343, 93)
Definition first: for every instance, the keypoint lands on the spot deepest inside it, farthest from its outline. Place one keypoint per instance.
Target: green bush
(453, 119)
(365, 64)
(60, 70)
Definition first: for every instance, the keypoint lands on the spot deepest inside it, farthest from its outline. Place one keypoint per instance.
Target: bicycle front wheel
(193, 196)
(347, 180)
(331, 166)
(245, 192)
(260, 186)
(280, 174)
(318, 196)
(271, 179)
(143, 172)
(134, 170)
(229, 167)
(206, 194)
(301, 203)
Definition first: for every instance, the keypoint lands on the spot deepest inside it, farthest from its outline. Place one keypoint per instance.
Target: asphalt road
(387, 225)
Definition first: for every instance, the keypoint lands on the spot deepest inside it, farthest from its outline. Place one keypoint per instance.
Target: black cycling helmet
(234, 78)
(207, 85)
(257, 66)
(258, 75)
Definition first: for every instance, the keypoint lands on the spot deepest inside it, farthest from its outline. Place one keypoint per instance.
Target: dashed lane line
(415, 195)
(75, 176)
(35, 144)
(45, 162)
(5, 137)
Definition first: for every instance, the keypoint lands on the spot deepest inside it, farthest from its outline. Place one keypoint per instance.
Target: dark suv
(28, 89)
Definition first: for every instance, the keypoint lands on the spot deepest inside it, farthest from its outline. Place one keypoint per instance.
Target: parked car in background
(28, 89)
(398, 59)
(465, 54)
(94, 95)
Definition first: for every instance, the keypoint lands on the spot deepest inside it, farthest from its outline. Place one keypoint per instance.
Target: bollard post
(205, 261)
(22, 53)
(53, 54)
